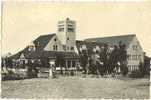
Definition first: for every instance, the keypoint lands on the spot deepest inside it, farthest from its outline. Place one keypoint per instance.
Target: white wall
(134, 63)
(49, 46)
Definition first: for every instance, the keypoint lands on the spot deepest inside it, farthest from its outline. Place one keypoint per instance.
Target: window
(61, 29)
(139, 56)
(129, 57)
(64, 47)
(133, 57)
(61, 25)
(67, 48)
(60, 22)
(69, 63)
(70, 25)
(55, 39)
(73, 64)
(68, 38)
(70, 29)
(72, 48)
(54, 47)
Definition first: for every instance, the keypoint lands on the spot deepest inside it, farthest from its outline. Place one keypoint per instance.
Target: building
(63, 45)
(135, 53)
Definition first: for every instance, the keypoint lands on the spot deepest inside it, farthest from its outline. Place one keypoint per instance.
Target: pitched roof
(113, 40)
(15, 56)
(43, 40)
(26, 54)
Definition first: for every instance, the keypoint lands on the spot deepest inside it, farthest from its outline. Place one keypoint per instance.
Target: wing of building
(46, 47)
(134, 50)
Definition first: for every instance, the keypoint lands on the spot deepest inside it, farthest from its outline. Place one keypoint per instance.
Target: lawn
(76, 87)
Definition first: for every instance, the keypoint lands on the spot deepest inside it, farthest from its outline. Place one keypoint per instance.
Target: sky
(22, 22)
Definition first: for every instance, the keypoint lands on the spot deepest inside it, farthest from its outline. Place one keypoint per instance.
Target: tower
(67, 34)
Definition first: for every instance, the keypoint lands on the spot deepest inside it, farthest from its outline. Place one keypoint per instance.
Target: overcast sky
(25, 21)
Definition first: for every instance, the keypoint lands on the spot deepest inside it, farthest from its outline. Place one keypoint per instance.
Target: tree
(122, 58)
(146, 64)
(103, 58)
(142, 69)
(60, 61)
(9, 62)
(113, 60)
(84, 60)
(32, 71)
(44, 62)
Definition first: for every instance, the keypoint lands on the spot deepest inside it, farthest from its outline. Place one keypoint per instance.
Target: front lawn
(76, 87)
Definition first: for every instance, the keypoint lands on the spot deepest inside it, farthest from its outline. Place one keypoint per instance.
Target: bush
(13, 75)
(9, 76)
(124, 70)
(136, 74)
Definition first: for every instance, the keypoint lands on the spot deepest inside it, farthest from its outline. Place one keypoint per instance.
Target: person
(53, 71)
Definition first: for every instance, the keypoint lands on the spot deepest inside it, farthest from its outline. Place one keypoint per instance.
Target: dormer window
(31, 48)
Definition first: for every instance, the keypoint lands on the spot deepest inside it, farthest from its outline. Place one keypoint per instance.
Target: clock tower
(67, 34)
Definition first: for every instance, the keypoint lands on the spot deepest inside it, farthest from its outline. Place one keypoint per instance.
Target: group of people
(105, 60)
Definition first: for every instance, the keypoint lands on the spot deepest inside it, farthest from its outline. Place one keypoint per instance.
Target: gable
(54, 42)
(136, 43)
(22, 56)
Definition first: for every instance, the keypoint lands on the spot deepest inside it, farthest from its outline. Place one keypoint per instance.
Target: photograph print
(75, 50)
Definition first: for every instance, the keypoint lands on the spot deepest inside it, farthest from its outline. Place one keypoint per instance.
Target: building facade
(64, 43)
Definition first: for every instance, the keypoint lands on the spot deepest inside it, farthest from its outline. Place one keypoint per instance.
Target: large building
(64, 43)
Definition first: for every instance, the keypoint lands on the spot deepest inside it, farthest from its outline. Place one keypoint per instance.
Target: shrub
(9, 76)
(136, 74)
(13, 75)
(124, 70)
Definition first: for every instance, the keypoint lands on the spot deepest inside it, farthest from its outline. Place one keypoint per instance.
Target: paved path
(76, 87)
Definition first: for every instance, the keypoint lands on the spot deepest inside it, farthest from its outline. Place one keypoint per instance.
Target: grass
(76, 87)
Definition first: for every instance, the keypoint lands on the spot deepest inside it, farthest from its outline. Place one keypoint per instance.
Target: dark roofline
(47, 34)
(112, 36)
